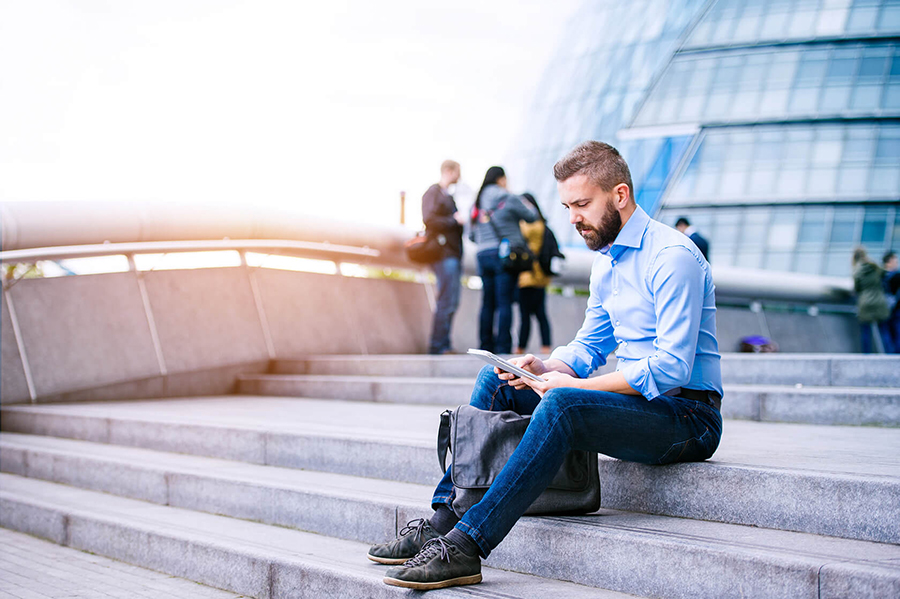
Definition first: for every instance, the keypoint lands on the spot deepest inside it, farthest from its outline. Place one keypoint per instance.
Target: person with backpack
(533, 283)
(872, 308)
(495, 228)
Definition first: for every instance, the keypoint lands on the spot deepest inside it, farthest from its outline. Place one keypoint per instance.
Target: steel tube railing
(36, 230)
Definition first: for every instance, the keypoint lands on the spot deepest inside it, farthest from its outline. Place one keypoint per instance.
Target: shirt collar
(631, 234)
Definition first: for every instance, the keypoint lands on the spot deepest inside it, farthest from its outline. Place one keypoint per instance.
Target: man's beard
(606, 234)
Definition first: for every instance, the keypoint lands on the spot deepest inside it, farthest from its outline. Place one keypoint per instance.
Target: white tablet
(502, 364)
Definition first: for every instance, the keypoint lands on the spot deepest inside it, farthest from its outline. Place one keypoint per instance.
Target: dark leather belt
(708, 397)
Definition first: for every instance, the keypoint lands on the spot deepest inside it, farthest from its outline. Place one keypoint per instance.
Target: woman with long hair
(872, 307)
(495, 217)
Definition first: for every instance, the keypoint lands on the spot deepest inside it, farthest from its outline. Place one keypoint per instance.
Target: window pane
(812, 232)
(837, 264)
(778, 261)
(873, 230)
(866, 97)
(749, 259)
(886, 180)
(888, 149)
(840, 70)
(822, 182)
(835, 99)
(891, 99)
(782, 236)
(809, 262)
(872, 68)
(842, 231)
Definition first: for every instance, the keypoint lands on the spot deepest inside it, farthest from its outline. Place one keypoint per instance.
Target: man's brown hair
(449, 165)
(600, 162)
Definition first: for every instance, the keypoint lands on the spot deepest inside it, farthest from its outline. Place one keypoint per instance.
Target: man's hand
(552, 380)
(528, 362)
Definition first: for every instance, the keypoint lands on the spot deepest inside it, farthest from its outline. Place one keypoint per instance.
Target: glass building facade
(773, 125)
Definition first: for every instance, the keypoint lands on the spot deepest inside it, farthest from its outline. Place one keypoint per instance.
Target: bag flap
(482, 442)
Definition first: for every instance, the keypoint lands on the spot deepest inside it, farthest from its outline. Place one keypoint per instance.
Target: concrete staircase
(278, 492)
(804, 388)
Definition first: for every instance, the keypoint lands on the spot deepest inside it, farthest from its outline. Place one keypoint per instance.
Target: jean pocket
(694, 449)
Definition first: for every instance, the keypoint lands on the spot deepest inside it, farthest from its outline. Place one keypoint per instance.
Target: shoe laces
(417, 526)
(431, 548)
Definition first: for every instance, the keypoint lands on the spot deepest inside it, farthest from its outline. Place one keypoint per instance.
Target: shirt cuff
(580, 365)
(638, 376)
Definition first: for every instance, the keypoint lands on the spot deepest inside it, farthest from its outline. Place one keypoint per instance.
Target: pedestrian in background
(892, 289)
(684, 225)
(533, 283)
(871, 304)
(495, 217)
(444, 221)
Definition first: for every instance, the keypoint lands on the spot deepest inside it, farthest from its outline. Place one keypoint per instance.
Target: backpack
(549, 251)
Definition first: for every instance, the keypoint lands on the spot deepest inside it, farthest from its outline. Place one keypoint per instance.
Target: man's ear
(622, 195)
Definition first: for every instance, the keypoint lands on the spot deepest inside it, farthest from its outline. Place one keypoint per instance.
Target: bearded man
(652, 301)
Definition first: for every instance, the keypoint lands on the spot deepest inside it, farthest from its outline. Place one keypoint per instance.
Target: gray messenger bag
(481, 443)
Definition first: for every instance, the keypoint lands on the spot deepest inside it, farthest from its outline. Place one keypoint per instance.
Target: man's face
(453, 175)
(591, 210)
(892, 264)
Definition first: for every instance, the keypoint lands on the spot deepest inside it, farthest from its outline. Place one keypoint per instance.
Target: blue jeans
(628, 427)
(866, 338)
(448, 288)
(497, 292)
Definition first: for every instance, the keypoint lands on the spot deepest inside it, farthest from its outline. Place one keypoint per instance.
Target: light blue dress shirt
(653, 297)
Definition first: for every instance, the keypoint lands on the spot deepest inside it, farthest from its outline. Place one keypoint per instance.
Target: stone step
(38, 569)
(853, 406)
(337, 505)
(632, 553)
(843, 370)
(850, 406)
(839, 481)
(249, 558)
(399, 389)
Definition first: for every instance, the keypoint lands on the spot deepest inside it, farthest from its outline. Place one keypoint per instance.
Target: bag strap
(443, 439)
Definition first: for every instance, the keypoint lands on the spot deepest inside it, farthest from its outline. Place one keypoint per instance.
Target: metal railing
(84, 228)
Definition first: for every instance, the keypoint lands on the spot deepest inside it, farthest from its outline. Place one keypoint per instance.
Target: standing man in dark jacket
(684, 225)
(892, 290)
(445, 222)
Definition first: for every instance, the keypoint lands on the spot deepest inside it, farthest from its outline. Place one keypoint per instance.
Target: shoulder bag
(425, 248)
(481, 443)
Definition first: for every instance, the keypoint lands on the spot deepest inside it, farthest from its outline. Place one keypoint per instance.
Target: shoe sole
(390, 561)
(427, 586)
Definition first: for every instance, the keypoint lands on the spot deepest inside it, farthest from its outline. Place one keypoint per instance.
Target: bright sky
(330, 108)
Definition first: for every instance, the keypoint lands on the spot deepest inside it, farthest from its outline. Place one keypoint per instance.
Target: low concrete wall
(322, 314)
(95, 337)
(82, 332)
(13, 385)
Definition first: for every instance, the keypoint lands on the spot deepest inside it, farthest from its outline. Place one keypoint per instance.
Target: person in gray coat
(495, 216)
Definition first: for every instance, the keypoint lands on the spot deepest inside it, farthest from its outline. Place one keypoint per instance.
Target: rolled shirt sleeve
(594, 341)
(677, 282)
